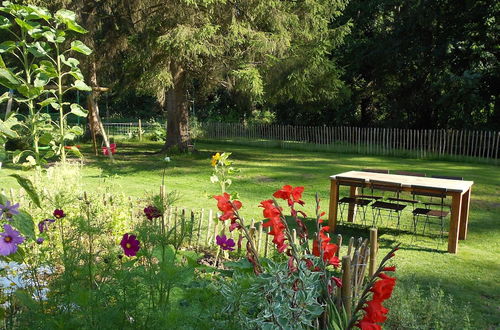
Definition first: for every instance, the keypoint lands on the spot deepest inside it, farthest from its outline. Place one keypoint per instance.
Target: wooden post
(464, 215)
(346, 290)
(140, 130)
(351, 215)
(373, 251)
(334, 198)
(456, 208)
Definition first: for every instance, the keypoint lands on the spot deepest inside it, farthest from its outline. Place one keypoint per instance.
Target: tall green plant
(39, 65)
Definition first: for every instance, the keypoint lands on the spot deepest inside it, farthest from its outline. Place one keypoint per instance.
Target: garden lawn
(471, 276)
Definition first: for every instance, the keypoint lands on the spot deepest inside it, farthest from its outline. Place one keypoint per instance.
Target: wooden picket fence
(421, 143)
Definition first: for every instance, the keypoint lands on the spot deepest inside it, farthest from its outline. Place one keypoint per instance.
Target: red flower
(290, 194)
(329, 249)
(273, 213)
(382, 289)
(227, 206)
(375, 312)
(365, 325)
(58, 214)
(130, 245)
(389, 269)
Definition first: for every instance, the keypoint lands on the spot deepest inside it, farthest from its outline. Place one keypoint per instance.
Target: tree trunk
(177, 112)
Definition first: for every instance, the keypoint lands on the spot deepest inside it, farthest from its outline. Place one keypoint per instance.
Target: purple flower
(44, 225)
(39, 240)
(8, 210)
(224, 243)
(59, 214)
(130, 245)
(152, 212)
(9, 240)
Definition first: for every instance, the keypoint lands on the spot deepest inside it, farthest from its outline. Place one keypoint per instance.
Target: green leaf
(48, 68)
(6, 130)
(82, 86)
(4, 97)
(63, 15)
(24, 223)
(75, 27)
(71, 62)
(39, 49)
(5, 23)
(78, 110)
(80, 47)
(28, 187)
(41, 79)
(77, 130)
(7, 46)
(47, 101)
(29, 91)
(8, 79)
(45, 138)
(26, 25)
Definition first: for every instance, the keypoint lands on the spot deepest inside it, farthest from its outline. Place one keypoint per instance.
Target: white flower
(167, 159)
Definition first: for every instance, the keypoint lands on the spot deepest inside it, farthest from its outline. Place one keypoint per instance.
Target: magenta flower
(8, 210)
(9, 240)
(59, 214)
(44, 225)
(130, 245)
(152, 212)
(224, 243)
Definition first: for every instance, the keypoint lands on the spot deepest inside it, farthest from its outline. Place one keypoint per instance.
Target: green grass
(471, 276)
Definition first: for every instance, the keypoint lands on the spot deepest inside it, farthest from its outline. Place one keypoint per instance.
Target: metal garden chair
(393, 209)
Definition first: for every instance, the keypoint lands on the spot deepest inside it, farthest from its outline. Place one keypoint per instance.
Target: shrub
(415, 307)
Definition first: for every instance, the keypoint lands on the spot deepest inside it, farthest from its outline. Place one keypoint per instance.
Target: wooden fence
(422, 143)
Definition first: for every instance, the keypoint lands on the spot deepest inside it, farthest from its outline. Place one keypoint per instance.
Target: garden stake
(373, 251)
(339, 244)
(346, 290)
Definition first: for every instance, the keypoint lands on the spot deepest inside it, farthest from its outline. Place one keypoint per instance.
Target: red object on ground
(69, 147)
(112, 147)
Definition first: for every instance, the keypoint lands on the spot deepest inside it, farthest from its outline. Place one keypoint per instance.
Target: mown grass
(471, 276)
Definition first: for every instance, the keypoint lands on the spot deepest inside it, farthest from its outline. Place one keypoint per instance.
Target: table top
(407, 180)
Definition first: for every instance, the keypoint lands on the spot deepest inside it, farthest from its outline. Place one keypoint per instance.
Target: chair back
(409, 173)
(430, 192)
(353, 182)
(385, 186)
(375, 170)
(447, 177)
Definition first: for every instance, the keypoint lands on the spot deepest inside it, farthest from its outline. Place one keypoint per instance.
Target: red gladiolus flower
(382, 289)
(365, 325)
(329, 249)
(290, 194)
(227, 206)
(375, 312)
(273, 213)
(389, 269)
(130, 245)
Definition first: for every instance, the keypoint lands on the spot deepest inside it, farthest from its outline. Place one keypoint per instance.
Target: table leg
(333, 210)
(456, 208)
(464, 215)
(351, 215)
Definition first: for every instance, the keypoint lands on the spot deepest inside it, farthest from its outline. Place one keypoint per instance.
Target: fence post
(346, 290)
(373, 251)
(140, 130)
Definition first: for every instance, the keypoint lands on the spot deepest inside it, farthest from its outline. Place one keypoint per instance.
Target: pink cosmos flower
(9, 240)
(130, 245)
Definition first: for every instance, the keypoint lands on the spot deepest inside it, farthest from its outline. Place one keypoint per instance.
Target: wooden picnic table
(458, 190)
